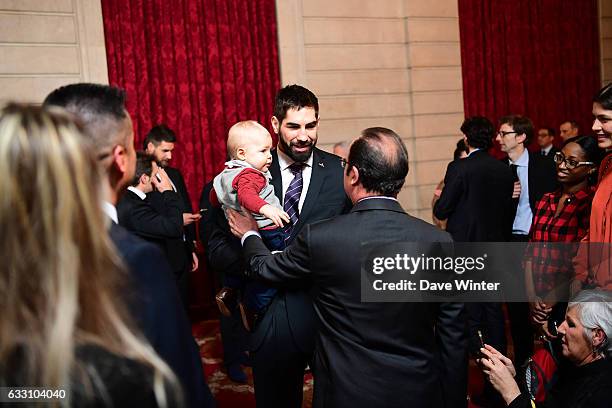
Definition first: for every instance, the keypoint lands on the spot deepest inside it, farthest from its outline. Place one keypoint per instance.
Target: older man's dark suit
(283, 341)
(477, 199)
(155, 304)
(371, 354)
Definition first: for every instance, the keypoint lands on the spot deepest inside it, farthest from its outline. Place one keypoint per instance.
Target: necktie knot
(296, 167)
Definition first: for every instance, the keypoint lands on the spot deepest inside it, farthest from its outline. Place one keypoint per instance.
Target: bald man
(369, 353)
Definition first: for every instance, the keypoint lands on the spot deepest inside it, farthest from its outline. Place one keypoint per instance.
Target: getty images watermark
(472, 272)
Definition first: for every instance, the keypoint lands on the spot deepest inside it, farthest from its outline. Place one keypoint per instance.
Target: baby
(245, 183)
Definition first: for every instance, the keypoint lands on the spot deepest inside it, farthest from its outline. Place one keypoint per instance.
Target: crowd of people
(99, 244)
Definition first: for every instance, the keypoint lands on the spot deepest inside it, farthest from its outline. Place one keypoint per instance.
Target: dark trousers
(182, 283)
(489, 319)
(518, 313)
(278, 364)
(233, 338)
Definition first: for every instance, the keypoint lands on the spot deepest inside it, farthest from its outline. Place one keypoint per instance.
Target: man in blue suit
(153, 295)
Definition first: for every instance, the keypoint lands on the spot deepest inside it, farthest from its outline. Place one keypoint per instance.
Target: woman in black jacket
(586, 379)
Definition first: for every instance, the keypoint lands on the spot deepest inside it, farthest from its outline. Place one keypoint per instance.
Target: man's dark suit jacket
(156, 306)
(325, 198)
(141, 218)
(371, 354)
(178, 250)
(550, 154)
(477, 199)
(542, 176)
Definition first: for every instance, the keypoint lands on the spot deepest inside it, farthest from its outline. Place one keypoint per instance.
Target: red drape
(538, 58)
(198, 66)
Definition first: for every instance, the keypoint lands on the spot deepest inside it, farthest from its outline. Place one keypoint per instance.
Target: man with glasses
(534, 175)
(545, 139)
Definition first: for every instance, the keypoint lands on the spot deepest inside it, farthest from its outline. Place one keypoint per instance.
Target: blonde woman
(63, 324)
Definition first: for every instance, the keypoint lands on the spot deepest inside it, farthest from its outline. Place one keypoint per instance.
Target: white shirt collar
(470, 153)
(111, 211)
(383, 197)
(136, 191)
(285, 161)
(547, 149)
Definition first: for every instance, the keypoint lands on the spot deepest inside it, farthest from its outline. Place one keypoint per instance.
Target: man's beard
(296, 156)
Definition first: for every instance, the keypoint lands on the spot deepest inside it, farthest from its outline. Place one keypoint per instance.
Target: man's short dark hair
(159, 133)
(551, 131)
(294, 97)
(459, 149)
(521, 125)
(100, 109)
(479, 132)
(381, 170)
(572, 123)
(144, 165)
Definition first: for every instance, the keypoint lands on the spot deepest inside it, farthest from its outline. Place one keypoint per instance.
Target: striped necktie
(292, 197)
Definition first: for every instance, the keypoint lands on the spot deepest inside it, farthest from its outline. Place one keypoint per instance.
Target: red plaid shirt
(552, 264)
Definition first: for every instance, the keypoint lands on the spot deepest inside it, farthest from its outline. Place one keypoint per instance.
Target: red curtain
(198, 66)
(538, 58)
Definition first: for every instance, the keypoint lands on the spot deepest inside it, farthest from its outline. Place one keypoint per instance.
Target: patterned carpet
(228, 393)
(232, 395)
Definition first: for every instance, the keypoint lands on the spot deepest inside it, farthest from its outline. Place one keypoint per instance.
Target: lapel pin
(321, 164)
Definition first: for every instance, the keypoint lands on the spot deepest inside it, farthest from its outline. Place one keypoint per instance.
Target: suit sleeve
(453, 189)
(190, 230)
(452, 342)
(167, 224)
(291, 264)
(223, 250)
(163, 320)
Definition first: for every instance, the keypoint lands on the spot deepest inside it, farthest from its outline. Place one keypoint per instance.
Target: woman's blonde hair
(61, 276)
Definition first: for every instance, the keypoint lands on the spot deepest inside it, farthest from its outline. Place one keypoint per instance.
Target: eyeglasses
(502, 133)
(569, 163)
(343, 162)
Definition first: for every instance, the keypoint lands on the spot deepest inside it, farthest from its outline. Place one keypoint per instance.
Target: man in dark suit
(153, 297)
(308, 182)
(533, 175)
(159, 143)
(369, 354)
(137, 215)
(477, 201)
(545, 139)
(233, 334)
(477, 194)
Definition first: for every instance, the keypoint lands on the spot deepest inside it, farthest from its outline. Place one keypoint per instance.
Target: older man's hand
(240, 223)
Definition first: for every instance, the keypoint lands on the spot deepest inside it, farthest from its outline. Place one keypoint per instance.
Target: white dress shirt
(546, 150)
(524, 216)
(284, 162)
